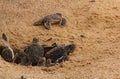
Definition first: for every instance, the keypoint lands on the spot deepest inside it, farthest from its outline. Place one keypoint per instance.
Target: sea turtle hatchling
(7, 52)
(35, 53)
(20, 57)
(51, 19)
(59, 53)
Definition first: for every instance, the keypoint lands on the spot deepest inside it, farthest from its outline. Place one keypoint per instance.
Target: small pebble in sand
(82, 36)
(22, 77)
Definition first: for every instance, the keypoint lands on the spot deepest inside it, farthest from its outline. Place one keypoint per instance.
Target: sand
(93, 26)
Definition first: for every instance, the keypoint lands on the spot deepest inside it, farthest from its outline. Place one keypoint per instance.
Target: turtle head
(59, 14)
(35, 40)
(70, 48)
(5, 40)
(38, 23)
(4, 37)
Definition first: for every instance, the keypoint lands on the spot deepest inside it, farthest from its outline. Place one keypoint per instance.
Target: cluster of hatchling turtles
(36, 54)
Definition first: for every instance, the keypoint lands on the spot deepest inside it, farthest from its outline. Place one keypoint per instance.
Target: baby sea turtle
(34, 53)
(59, 53)
(19, 56)
(51, 19)
(7, 52)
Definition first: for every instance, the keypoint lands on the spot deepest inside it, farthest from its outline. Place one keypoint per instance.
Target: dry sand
(97, 55)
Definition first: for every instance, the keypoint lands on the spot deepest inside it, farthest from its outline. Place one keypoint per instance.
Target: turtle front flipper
(38, 23)
(47, 25)
(5, 40)
(63, 22)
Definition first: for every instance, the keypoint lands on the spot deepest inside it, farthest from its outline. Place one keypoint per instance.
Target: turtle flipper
(63, 22)
(47, 25)
(38, 23)
(5, 40)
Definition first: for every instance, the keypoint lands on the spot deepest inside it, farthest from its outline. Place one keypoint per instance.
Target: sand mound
(94, 27)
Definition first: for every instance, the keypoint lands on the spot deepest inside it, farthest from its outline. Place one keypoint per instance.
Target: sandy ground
(97, 55)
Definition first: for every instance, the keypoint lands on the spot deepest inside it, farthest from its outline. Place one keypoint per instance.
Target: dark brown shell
(59, 53)
(55, 53)
(19, 56)
(34, 52)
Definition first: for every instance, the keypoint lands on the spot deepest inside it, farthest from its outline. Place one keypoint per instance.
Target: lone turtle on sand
(51, 19)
